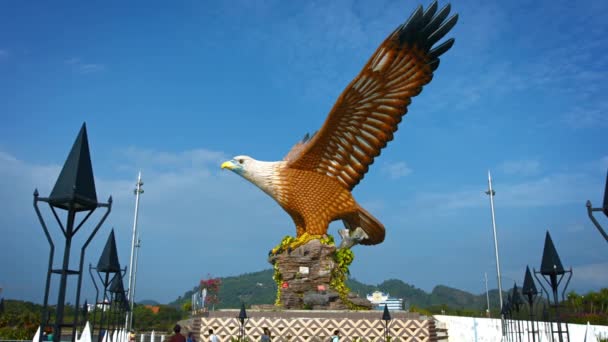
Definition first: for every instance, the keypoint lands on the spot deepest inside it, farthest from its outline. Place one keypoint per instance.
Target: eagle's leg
(300, 225)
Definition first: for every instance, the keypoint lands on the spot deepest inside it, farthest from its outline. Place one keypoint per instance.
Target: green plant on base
(343, 257)
(278, 279)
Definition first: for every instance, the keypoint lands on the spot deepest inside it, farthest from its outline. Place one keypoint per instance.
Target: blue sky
(175, 89)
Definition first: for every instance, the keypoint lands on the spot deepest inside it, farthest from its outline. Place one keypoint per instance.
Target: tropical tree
(575, 301)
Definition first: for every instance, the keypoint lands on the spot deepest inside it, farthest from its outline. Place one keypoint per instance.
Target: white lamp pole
(134, 244)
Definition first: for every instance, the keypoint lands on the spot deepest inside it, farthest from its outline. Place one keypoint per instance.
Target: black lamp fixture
(95, 305)
(552, 271)
(117, 290)
(530, 292)
(243, 320)
(603, 209)
(386, 317)
(509, 316)
(516, 298)
(516, 302)
(75, 193)
(85, 311)
(110, 267)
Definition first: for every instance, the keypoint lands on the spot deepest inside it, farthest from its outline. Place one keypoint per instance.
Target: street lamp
(504, 311)
(550, 269)
(135, 244)
(529, 290)
(517, 302)
(604, 209)
(85, 311)
(242, 319)
(91, 268)
(386, 317)
(117, 290)
(508, 316)
(109, 265)
(74, 192)
(492, 193)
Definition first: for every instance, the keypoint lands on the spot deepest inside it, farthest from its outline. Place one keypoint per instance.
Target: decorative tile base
(318, 326)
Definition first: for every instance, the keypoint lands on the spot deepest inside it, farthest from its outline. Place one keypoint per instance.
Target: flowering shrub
(213, 288)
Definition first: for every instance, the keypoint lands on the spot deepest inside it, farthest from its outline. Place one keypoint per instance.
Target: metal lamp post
(504, 323)
(243, 320)
(75, 193)
(517, 302)
(386, 317)
(603, 209)
(529, 290)
(491, 193)
(485, 275)
(508, 320)
(91, 268)
(117, 291)
(135, 244)
(85, 311)
(547, 325)
(108, 265)
(553, 273)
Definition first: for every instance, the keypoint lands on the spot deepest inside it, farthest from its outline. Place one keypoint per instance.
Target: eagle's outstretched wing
(367, 113)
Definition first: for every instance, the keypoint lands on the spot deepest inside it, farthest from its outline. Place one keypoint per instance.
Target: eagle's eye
(240, 161)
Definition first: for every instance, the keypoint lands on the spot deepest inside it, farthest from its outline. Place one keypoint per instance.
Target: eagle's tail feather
(372, 227)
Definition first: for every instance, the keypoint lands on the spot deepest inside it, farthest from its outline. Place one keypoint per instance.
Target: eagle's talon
(351, 238)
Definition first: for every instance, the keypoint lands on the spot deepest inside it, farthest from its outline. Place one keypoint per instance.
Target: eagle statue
(313, 182)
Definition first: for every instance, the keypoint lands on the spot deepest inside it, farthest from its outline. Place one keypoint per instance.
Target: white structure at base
(379, 299)
(86, 334)
(36, 336)
(470, 329)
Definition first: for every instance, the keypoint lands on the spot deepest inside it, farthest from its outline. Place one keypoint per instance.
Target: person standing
(336, 336)
(190, 337)
(177, 337)
(213, 337)
(265, 335)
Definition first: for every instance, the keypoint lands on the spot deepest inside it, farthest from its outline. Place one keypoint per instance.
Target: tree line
(19, 320)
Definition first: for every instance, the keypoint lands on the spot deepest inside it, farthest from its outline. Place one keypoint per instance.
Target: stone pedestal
(306, 274)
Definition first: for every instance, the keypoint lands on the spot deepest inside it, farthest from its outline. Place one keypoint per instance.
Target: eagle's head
(240, 165)
(263, 174)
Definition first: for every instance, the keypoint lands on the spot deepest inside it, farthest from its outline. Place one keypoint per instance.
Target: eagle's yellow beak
(228, 165)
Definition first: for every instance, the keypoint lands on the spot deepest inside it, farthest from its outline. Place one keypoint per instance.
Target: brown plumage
(313, 182)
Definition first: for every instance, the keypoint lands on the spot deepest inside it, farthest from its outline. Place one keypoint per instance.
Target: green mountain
(259, 288)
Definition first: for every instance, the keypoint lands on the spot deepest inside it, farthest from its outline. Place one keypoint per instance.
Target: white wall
(469, 329)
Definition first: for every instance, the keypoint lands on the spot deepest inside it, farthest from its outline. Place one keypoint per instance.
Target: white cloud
(520, 167)
(396, 170)
(84, 68)
(549, 190)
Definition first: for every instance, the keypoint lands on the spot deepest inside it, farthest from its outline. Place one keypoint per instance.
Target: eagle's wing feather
(367, 113)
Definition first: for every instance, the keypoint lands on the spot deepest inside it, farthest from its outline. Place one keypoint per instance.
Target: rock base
(306, 277)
